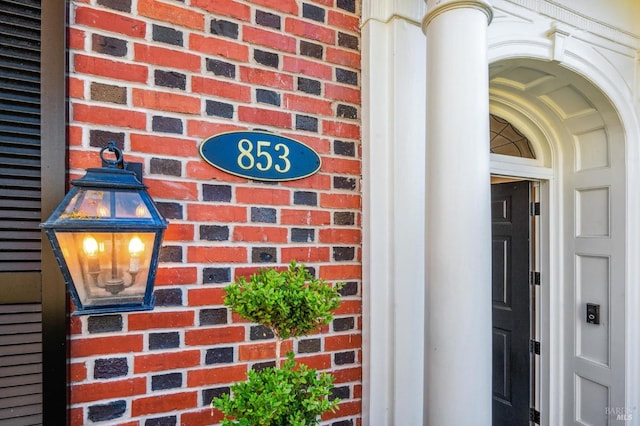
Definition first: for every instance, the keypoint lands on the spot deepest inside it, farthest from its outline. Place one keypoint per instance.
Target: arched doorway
(581, 163)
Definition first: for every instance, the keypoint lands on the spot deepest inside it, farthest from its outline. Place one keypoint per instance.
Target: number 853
(262, 157)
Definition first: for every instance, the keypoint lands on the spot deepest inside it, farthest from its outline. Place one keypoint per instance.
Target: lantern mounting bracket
(119, 162)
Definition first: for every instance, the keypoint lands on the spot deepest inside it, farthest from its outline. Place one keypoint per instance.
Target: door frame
(535, 171)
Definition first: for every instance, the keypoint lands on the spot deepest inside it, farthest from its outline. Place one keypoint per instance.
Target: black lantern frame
(106, 235)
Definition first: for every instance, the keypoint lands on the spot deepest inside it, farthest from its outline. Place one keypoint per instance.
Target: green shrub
(292, 303)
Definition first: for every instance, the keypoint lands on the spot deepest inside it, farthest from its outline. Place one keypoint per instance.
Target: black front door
(511, 311)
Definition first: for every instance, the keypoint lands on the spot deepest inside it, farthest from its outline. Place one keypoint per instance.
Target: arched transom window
(507, 140)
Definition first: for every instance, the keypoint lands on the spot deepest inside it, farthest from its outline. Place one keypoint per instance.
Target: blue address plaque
(260, 156)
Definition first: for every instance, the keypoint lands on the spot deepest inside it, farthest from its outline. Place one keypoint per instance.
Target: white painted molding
(438, 7)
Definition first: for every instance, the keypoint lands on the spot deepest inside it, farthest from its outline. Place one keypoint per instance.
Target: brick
(349, 307)
(307, 123)
(348, 5)
(305, 217)
(162, 421)
(110, 69)
(215, 316)
(307, 104)
(343, 20)
(221, 89)
(304, 254)
(216, 275)
(259, 366)
(257, 351)
(344, 218)
(340, 272)
(310, 31)
(182, 190)
(207, 396)
(216, 375)
(164, 145)
(214, 336)
(276, 41)
(223, 28)
(108, 116)
(316, 182)
(341, 165)
(340, 201)
(163, 361)
(340, 235)
(166, 381)
(221, 68)
(340, 392)
(306, 346)
(268, 59)
(76, 38)
(166, 124)
(343, 182)
(110, 22)
(99, 391)
(348, 41)
(176, 275)
(343, 57)
(206, 296)
(344, 148)
(108, 93)
(170, 254)
(219, 109)
(342, 358)
(163, 101)
(104, 323)
(167, 35)
(77, 372)
(75, 88)
(217, 254)
(170, 210)
(259, 234)
(318, 362)
(305, 198)
(108, 45)
(342, 93)
(341, 130)
(172, 79)
(264, 214)
(260, 77)
(268, 97)
(286, 6)
(110, 368)
(216, 193)
(299, 235)
(149, 321)
(84, 347)
(346, 408)
(168, 297)
(264, 255)
(260, 332)
(311, 49)
(164, 166)
(343, 253)
(346, 76)
(269, 196)
(206, 212)
(344, 324)
(313, 87)
(313, 12)
(297, 65)
(214, 232)
(219, 356)
(109, 411)
(163, 403)
(229, 8)
(119, 5)
(215, 46)
(175, 14)
(163, 341)
(166, 57)
(267, 19)
(346, 111)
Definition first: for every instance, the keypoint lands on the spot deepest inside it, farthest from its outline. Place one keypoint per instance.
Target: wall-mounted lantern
(106, 235)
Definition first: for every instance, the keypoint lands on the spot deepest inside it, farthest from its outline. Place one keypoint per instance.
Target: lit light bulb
(102, 210)
(90, 247)
(136, 247)
(141, 211)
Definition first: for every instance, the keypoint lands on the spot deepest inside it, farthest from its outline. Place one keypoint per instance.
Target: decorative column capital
(437, 7)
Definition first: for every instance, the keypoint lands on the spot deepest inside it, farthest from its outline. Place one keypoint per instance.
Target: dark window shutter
(20, 215)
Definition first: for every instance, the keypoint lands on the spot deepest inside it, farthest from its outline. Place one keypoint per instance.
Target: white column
(458, 224)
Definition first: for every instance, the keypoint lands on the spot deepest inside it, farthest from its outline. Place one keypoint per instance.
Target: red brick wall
(159, 76)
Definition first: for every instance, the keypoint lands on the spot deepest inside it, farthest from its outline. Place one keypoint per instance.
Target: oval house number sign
(260, 156)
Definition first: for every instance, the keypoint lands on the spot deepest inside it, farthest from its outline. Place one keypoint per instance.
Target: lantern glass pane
(97, 204)
(108, 267)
